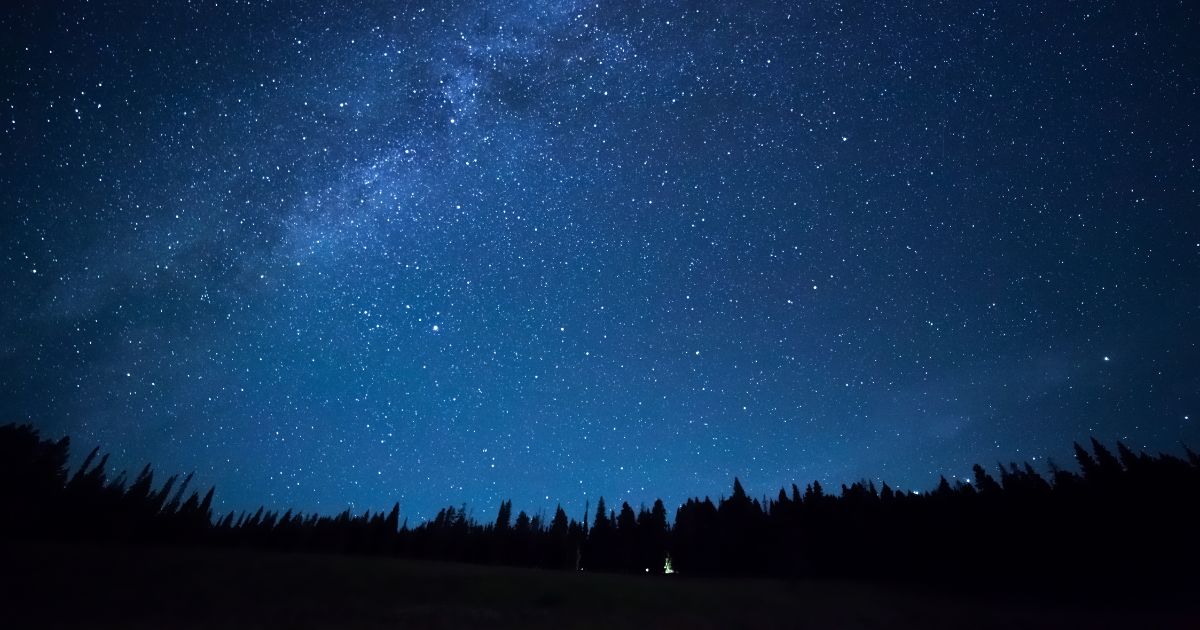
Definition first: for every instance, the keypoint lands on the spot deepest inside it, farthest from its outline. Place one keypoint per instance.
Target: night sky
(331, 254)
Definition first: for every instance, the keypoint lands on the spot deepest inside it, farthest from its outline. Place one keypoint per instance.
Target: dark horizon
(82, 462)
(994, 528)
(1044, 466)
(545, 251)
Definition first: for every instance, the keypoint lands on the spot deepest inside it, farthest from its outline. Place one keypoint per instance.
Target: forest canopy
(1125, 517)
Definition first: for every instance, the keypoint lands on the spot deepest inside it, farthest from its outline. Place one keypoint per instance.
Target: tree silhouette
(504, 516)
(992, 530)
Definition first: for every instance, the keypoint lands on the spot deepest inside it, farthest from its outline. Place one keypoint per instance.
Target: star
(656, 193)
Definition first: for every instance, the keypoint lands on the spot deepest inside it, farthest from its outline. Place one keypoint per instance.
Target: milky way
(329, 255)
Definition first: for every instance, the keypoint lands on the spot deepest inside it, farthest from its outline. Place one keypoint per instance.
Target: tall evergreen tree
(504, 516)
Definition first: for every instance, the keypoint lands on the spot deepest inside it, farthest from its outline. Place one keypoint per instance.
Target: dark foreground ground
(59, 586)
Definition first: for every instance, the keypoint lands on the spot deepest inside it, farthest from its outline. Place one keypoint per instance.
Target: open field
(58, 586)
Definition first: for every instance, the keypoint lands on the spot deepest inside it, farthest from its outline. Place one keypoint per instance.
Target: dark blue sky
(338, 253)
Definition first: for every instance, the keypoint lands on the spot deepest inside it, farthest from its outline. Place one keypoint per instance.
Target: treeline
(1125, 518)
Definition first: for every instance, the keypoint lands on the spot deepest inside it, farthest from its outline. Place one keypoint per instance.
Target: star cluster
(350, 253)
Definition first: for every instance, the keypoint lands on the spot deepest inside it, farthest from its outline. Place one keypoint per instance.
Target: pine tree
(601, 523)
(1107, 464)
(504, 516)
(985, 483)
(393, 519)
(1086, 463)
